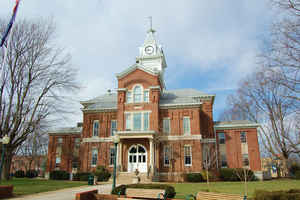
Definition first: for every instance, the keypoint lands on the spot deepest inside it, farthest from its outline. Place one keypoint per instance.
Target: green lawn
(23, 186)
(183, 189)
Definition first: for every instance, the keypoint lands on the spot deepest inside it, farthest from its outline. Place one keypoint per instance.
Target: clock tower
(151, 55)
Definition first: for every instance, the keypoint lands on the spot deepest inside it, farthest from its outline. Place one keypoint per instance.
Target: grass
(24, 186)
(183, 189)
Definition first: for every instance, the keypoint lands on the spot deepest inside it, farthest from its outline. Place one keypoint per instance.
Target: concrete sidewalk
(65, 194)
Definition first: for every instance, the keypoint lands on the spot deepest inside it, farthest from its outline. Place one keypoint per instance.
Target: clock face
(149, 49)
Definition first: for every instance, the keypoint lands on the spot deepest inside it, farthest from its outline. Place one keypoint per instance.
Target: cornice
(235, 126)
(180, 105)
(179, 137)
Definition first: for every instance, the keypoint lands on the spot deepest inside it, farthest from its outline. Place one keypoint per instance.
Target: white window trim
(111, 165)
(142, 95)
(221, 161)
(94, 165)
(245, 137)
(94, 128)
(167, 133)
(188, 133)
(165, 146)
(111, 125)
(142, 118)
(191, 151)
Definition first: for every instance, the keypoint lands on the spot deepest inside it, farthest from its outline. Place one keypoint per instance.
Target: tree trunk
(7, 164)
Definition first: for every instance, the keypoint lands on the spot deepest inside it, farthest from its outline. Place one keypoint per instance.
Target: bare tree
(264, 101)
(209, 159)
(35, 75)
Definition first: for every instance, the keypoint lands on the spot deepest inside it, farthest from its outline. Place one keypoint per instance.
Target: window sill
(188, 165)
(93, 165)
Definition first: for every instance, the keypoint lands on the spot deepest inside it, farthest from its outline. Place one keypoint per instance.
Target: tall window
(166, 126)
(221, 138)
(245, 160)
(58, 152)
(76, 147)
(137, 121)
(146, 96)
(113, 127)
(128, 121)
(58, 155)
(96, 128)
(167, 155)
(94, 157)
(137, 94)
(111, 156)
(223, 161)
(187, 155)
(186, 126)
(146, 121)
(129, 97)
(243, 137)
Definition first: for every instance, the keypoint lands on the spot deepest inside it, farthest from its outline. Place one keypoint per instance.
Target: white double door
(137, 158)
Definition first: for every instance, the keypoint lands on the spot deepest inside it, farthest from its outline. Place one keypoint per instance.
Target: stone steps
(127, 178)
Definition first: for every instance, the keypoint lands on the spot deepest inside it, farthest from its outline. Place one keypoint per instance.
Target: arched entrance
(137, 158)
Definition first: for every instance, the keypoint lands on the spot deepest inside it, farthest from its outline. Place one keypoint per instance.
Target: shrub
(211, 176)
(229, 174)
(81, 176)
(276, 195)
(102, 173)
(59, 175)
(19, 174)
(170, 191)
(297, 175)
(194, 177)
(294, 168)
(31, 173)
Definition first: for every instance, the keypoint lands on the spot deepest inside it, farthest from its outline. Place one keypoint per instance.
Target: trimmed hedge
(194, 177)
(102, 173)
(277, 195)
(19, 174)
(81, 176)
(59, 175)
(294, 168)
(297, 175)
(170, 190)
(31, 173)
(229, 174)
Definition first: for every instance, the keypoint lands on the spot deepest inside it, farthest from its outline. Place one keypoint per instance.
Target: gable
(138, 76)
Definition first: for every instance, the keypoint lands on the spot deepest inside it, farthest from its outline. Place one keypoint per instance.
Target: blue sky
(209, 45)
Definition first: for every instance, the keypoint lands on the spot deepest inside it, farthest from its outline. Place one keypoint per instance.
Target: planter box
(6, 191)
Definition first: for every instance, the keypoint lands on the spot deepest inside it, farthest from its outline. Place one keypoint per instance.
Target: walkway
(65, 194)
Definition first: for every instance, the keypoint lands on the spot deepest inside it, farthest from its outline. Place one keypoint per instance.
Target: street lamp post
(116, 140)
(5, 141)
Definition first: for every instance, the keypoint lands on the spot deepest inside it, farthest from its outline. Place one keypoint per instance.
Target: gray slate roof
(168, 98)
(235, 123)
(66, 130)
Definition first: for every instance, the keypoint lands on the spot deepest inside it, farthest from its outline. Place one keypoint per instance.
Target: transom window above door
(137, 95)
(137, 121)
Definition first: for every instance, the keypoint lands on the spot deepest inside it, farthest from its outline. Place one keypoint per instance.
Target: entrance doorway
(137, 158)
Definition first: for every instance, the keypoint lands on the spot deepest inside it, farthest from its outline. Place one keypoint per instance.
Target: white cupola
(151, 55)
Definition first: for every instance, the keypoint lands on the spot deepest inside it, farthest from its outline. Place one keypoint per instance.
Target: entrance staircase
(127, 178)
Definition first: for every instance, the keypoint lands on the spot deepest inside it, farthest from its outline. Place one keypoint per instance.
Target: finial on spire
(151, 29)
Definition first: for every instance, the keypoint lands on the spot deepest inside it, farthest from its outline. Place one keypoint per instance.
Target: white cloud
(104, 35)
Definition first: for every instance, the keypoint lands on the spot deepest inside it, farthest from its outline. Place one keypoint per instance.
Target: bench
(139, 193)
(215, 196)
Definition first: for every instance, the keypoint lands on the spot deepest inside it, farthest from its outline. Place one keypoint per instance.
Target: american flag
(9, 26)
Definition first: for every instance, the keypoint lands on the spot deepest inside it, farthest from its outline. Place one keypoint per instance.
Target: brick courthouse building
(162, 132)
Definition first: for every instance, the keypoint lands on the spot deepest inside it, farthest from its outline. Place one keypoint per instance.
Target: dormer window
(137, 94)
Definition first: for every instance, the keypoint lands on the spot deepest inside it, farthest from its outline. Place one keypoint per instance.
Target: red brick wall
(67, 149)
(233, 148)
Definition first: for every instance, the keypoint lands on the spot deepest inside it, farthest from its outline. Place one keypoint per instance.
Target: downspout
(216, 148)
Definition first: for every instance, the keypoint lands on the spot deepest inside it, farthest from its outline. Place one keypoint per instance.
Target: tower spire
(151, 30)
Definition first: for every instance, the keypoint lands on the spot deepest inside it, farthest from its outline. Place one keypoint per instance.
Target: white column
(151, 154)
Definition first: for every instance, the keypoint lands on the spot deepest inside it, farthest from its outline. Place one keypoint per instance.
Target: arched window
(137, 94)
